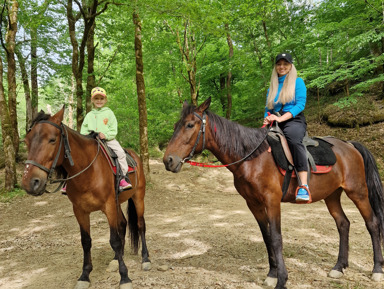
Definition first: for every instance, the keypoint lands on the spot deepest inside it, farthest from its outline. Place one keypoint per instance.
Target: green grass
(9, 196)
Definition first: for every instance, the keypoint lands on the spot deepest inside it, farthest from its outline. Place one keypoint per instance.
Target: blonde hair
(287, 93)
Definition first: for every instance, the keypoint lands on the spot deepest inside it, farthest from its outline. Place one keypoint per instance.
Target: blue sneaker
(303, 194)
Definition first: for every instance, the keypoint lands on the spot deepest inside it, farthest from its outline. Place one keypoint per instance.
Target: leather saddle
(320, 155)
(112, 157)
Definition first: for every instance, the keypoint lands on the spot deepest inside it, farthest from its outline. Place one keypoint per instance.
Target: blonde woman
(286, 100)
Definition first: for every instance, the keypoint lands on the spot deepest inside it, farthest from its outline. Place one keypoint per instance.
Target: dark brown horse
(90, 187)
(259, 182)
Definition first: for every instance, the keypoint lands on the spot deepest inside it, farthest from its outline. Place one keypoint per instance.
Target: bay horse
(90, 187)
(259, 181)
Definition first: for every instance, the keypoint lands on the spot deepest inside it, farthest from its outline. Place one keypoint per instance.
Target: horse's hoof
(126, 286)
(377, 277)
(146, 266)
(113, 266)
(270, 282)
(335, 274)
(82, 285)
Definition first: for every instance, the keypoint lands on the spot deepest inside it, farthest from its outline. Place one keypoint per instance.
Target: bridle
(63, 142)
(67, 154)
(201, 131)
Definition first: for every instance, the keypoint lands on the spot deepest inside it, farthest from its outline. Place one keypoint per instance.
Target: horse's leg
(113, 213)
(274, 219)
(122, 228)
(139, 206)
(262, 220)
(372, 224)
(86, 241)
(342, 223)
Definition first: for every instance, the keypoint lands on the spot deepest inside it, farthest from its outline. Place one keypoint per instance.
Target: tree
(9, 125)
(140, 85)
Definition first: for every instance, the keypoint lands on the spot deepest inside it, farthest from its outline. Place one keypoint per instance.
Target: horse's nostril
(35, 183)
(170, 159)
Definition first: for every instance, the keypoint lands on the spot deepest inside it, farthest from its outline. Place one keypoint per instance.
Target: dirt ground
(200, 234)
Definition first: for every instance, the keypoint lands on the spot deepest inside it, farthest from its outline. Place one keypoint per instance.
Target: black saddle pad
(322, 154)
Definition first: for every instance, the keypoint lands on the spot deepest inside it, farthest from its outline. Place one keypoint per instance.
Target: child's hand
(101, 135)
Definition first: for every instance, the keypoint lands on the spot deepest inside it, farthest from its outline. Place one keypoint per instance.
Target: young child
(102, 120)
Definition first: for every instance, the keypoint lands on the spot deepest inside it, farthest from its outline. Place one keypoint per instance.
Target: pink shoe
(124, 185)
(64, 189)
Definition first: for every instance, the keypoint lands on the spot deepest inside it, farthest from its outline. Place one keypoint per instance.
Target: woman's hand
(271, 118)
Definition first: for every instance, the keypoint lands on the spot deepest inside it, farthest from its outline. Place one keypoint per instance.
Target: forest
(150, 56)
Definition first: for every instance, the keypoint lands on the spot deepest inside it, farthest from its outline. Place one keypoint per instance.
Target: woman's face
(283, 67)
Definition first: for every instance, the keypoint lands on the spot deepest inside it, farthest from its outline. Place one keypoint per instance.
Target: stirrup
(305, 199)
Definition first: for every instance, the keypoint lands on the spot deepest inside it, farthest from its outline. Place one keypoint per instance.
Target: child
(102, 120)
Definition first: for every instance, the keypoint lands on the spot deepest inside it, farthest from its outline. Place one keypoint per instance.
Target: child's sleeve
(84, 127)
(112, 127)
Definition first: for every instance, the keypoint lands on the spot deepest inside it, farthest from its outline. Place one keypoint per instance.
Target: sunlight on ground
(194, 248)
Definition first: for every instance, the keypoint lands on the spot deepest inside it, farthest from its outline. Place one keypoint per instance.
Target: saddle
(320, 155)
(112, 158)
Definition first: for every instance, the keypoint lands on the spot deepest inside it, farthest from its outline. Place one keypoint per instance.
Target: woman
(286, 100)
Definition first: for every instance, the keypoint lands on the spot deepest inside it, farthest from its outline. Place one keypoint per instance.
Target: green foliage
(335, 43)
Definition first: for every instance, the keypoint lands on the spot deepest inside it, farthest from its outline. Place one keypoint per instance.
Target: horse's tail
(132, 225)
(374, 184)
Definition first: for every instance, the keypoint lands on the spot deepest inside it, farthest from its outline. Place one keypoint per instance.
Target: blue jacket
(297, 105)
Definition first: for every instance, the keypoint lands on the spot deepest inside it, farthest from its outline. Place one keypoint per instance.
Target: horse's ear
(185, 104)
(59, 115)
(205, 105)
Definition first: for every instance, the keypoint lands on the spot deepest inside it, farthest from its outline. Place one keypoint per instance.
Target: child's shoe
(303, 194)
(124, 185)
(63, 190)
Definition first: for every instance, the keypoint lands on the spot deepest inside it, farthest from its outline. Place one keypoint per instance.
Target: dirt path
(199, 230)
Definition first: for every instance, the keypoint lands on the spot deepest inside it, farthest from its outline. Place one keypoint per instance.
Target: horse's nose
(35, 184)
(167, 160)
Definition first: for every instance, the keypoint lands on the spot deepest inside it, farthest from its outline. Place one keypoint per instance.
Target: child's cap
(98, 91)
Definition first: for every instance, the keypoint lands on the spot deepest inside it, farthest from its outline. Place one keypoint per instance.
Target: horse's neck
(213, 144)
(83, 150)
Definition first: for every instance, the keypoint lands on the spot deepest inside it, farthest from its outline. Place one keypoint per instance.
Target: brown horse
(259, 182)
(90, 187)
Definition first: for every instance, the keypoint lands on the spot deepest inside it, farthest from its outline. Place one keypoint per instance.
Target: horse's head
(187, 137)
(43, 142)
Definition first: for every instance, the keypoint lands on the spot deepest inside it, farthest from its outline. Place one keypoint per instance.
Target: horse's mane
(233, 139)
(40, 116)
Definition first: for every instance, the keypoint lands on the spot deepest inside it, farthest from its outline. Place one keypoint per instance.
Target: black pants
(294, 130)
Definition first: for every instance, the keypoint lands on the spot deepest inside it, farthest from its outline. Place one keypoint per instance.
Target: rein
(208, 165)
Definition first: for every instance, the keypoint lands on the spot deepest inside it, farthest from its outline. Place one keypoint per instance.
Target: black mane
(232, 138)
(41, 116)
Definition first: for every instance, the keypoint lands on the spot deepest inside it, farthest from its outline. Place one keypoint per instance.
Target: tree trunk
(13, 7)
(140, 86)
(229, 77)
(8, 114)
(188, 51)
(27, 92)
(7, 136)
(91, 73)
(78, 51)
(34, 83)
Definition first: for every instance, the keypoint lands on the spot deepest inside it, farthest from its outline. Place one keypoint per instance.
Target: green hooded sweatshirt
(100, 120)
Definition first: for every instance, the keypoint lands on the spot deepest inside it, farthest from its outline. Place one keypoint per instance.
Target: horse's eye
(190, 125)
(52, 140)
